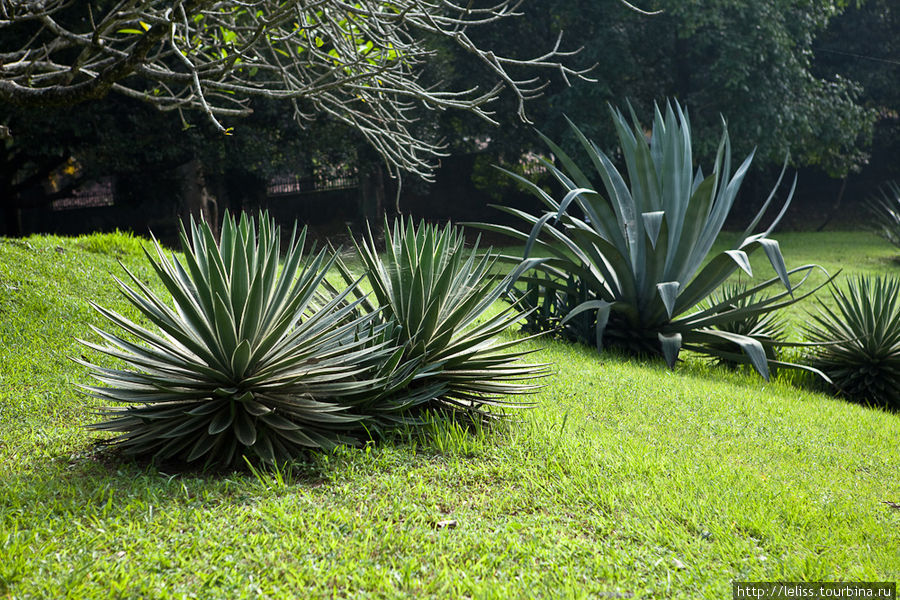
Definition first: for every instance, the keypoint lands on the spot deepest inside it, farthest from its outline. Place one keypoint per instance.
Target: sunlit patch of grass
(116, 244)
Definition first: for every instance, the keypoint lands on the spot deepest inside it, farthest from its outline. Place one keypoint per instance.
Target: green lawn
(626, 479)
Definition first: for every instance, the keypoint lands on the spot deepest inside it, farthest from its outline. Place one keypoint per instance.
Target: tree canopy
(863, 45)
(752, 63)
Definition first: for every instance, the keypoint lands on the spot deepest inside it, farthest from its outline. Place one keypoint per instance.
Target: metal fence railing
(90, 195)
(293, 184)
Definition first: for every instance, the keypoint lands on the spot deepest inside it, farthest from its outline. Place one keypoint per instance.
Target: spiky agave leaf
(640, 247)
(432, 296)
(885, 211)
(547, 305)
(767, 327)
(860, 340)
(246, 359)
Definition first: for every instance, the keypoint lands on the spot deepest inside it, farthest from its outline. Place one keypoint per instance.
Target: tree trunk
(835, 206)
(196, 201)
(12, 218)
(371, 195)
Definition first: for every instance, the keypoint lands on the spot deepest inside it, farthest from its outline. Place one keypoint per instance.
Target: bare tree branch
(360, 62)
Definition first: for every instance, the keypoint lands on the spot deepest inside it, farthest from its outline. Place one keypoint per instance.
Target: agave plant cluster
(626, 259)
(254, 355)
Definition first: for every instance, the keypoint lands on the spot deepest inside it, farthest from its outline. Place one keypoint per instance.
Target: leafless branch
(360, 62)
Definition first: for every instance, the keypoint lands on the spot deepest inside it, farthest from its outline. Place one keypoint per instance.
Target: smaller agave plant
(859, 340)
(551, 304)
(246, 359)
(885, 210)
(767, 327)
(432, 297)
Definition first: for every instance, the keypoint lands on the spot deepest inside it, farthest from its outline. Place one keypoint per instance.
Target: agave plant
(246, 360)
(885, 210)
(551, 305)
(859, 340)
(767, 327)
(641, 252)
(432, 296)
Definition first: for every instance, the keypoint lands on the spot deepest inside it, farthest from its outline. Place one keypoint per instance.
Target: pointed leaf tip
(773, 252)
(741, 259)
(668, 293)
(671, 346)
(652, 224)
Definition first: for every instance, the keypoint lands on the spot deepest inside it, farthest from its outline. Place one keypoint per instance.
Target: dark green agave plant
(767, 327)
(432, 295)
(246, 359)
(859, 340)
(631, 251)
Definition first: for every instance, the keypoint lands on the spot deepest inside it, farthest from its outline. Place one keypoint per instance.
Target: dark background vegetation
(818, 80)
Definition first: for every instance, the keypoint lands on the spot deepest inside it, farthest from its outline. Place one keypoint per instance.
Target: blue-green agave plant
(631, 251)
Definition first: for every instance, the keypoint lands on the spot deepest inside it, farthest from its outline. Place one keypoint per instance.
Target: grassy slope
(626, 478)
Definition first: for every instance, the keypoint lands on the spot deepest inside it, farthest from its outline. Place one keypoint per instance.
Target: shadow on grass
(99, 481)
(96, 483)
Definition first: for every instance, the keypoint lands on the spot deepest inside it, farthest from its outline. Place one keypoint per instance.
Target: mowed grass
(625, 480)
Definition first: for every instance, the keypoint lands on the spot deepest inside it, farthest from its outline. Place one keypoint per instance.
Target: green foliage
(552, 303)
(431, 295)
(250, 360)
(752, 63)
(497, 186)
(749, 61)
(860, 340)
(636, 260)
(885, 210)
(862, 45)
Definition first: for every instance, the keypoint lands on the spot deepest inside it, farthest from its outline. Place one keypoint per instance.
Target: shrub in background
(635, 259)
(860, 340)
(551, 304)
